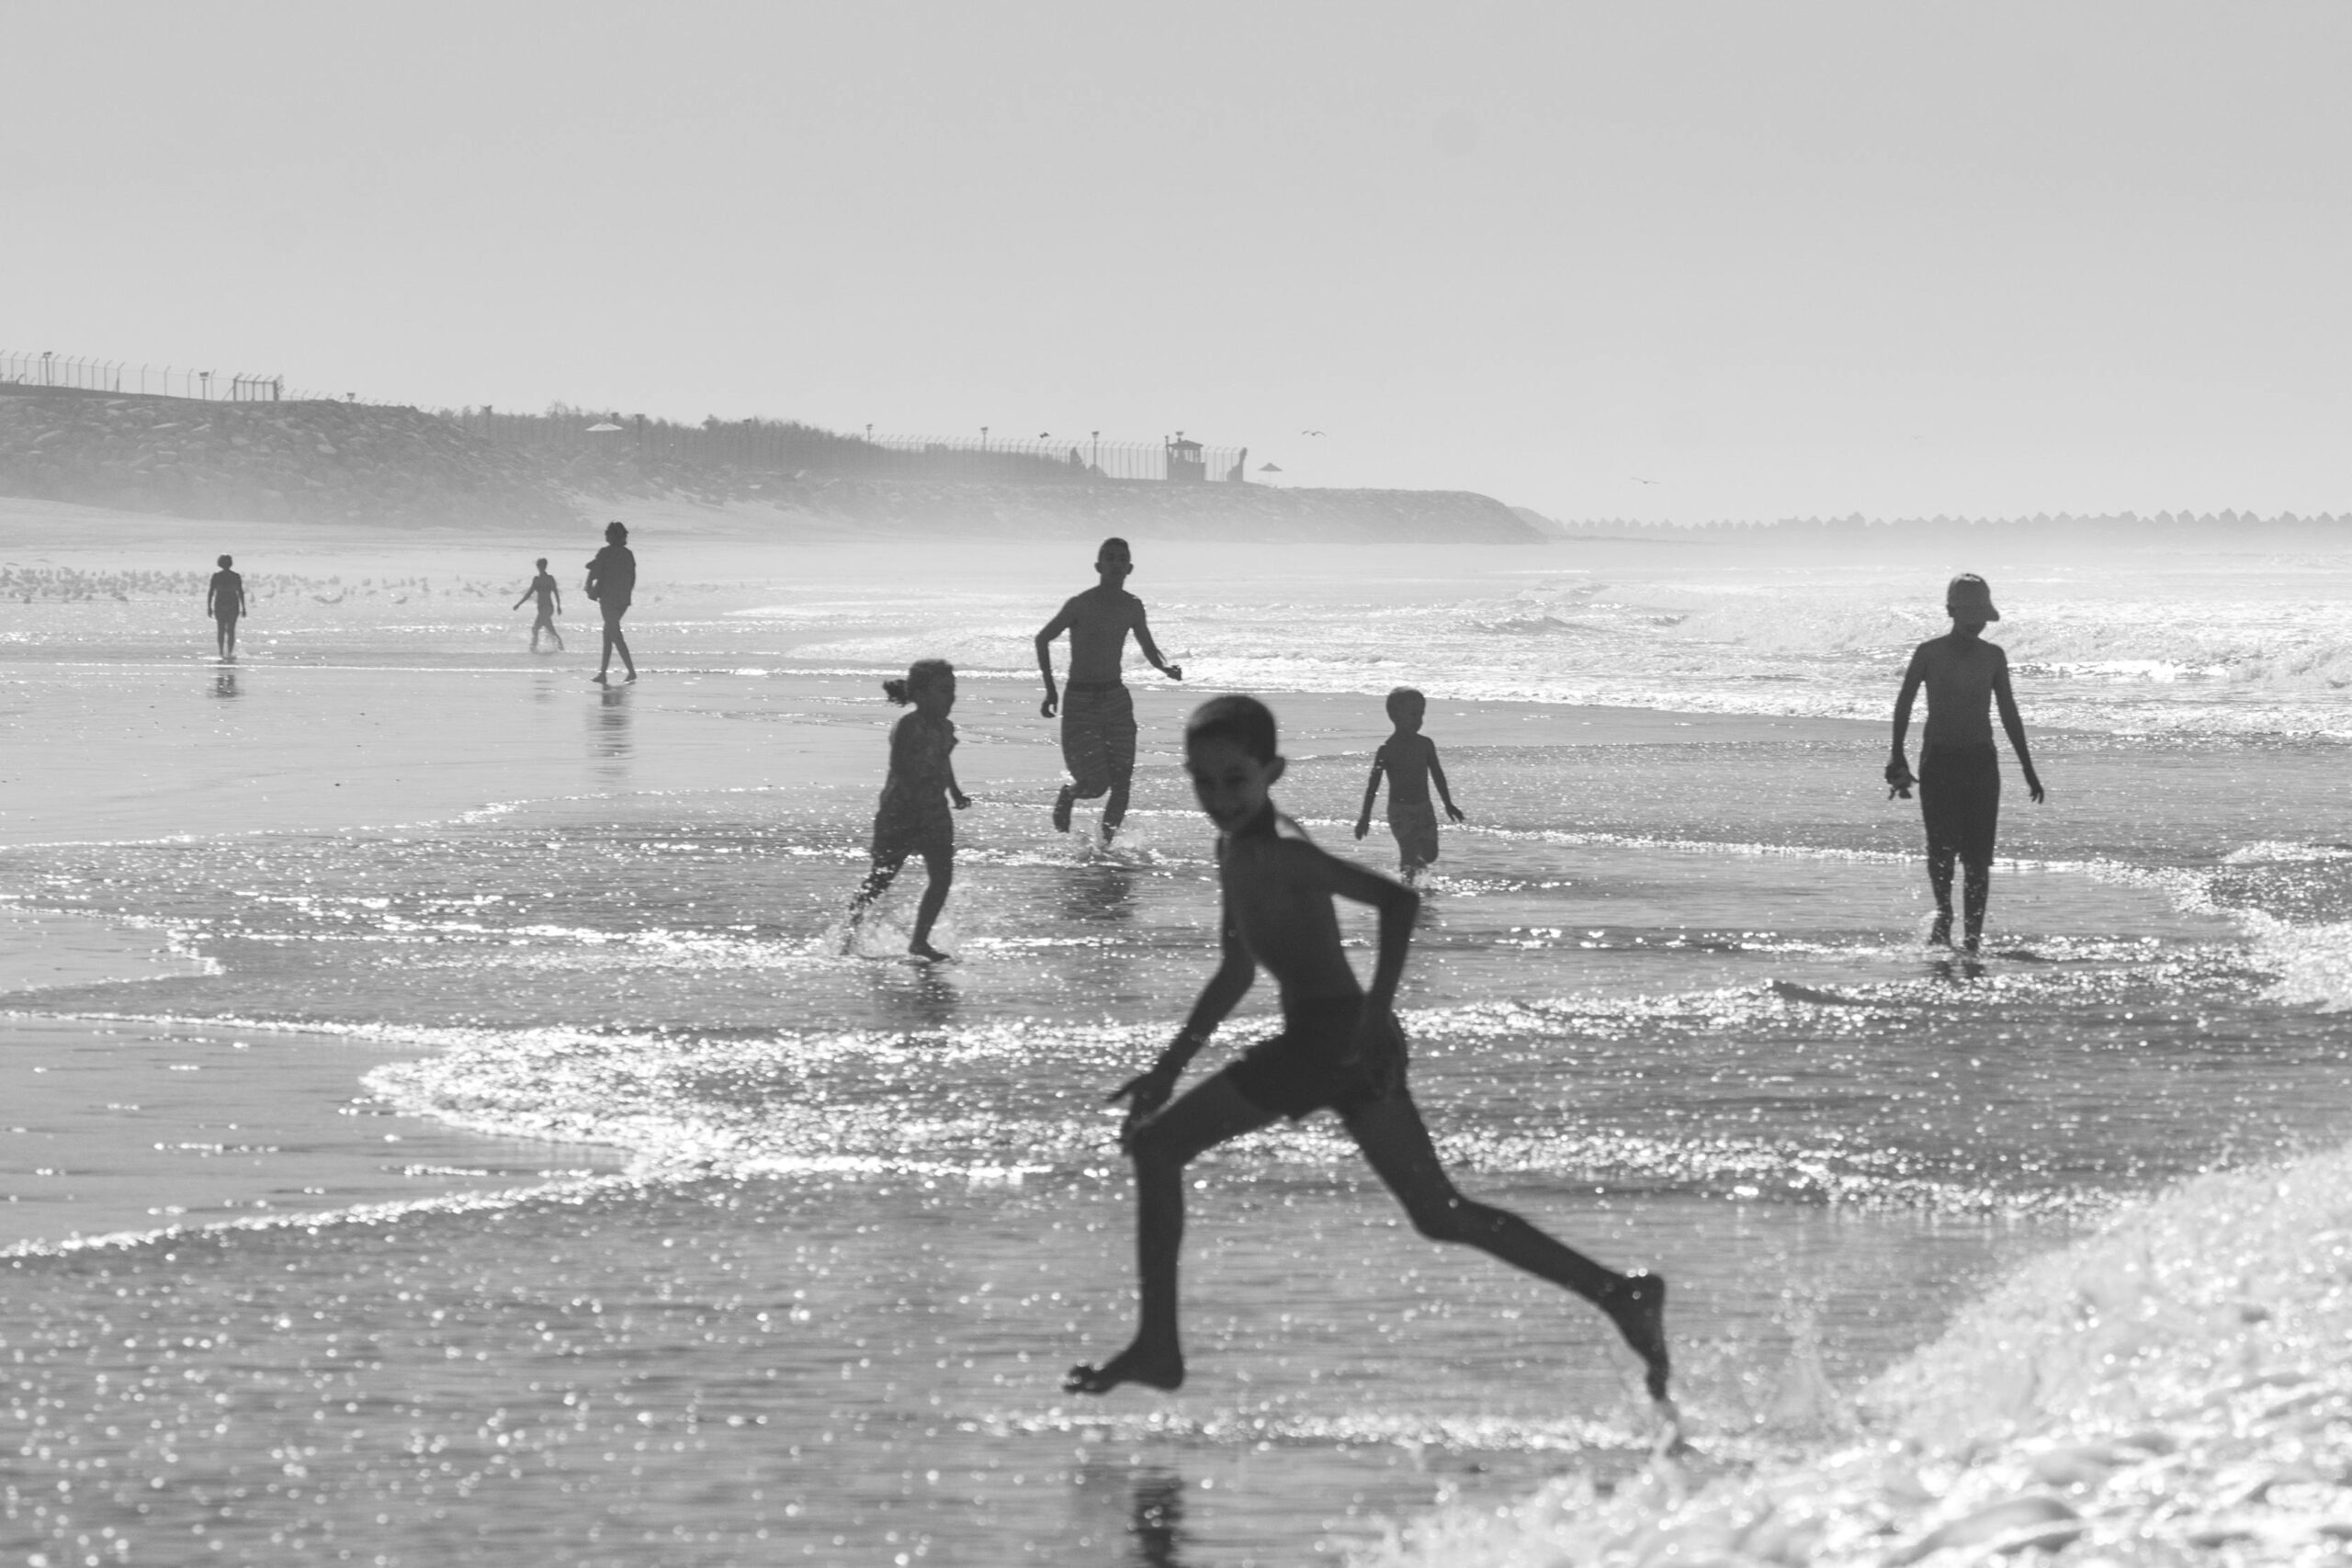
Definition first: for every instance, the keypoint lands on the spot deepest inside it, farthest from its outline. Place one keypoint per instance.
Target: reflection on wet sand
(224, 684)
(1098, 892)
(925, 998)
(610, 743)
(1156, 1516)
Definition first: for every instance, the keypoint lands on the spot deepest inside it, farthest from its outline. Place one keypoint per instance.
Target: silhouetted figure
(1410, 758)
(1341, 1049)
(1098, 713)
(543, 587)
(1960, 773)
(225, 600)
(912, 817)
(611, 581)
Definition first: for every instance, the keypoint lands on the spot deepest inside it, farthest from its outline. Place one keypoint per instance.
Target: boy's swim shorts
(1960, 796)
(1415, 825)
(1311, 1066)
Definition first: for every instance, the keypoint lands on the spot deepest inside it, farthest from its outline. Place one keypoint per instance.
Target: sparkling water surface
(1669, 1000)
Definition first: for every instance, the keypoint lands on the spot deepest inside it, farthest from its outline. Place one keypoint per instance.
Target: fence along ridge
(88, 374)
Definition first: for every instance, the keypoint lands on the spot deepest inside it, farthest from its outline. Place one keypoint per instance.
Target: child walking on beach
(912, 817)
(551, 598)
(1339, 1049)
(225, 600)
(1960, 773)
(1410, 758)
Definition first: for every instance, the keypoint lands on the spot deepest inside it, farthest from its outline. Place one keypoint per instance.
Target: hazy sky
(1780, 259)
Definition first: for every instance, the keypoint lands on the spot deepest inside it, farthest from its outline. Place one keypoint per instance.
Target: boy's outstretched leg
(1202, 1117)
(1395, 1140)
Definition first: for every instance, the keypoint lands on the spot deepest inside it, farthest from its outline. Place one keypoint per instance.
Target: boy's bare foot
(1110, 831)
(1637, 1304)
(1137, 1363)
(1063, 803)
(598, 677)
(922, 949)
(1939, 934)
(632, 675)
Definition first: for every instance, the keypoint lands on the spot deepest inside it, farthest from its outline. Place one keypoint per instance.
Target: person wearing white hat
(1960, 772)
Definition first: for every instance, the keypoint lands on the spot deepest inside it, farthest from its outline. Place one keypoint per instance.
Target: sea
(774, 1245)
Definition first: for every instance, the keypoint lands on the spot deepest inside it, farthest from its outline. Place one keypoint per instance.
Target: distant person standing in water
(225, 600)
(1960, 773)
(913, 817)
(612, 581)
(1410, 758)
(1098, 714)
(551, 600)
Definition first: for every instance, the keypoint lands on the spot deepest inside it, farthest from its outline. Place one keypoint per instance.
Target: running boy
(1410, 758)
(912, 817)
(225, 600)
(1960, 773)
(550, 599)
(1341, 1049)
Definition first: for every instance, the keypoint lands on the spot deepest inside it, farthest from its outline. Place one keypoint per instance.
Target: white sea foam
(2170, 1388)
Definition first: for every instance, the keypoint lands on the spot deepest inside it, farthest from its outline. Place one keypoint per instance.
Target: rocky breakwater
(294, 461)
(1151, 511)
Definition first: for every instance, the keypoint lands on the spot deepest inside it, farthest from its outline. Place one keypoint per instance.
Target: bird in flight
(1639, 480)
(1310, 432)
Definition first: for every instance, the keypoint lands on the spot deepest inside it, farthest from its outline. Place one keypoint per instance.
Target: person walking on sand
(1097, 712)
(543, 587)
(1960, 773)
(611, 581)
(225, 600)
(1410, 758)
(1341, 1049)
(913, 817)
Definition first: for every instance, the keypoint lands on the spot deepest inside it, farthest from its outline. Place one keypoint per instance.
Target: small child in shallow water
(1410, 758)
(913, 817)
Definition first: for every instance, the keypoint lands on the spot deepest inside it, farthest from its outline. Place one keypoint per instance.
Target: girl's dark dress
(913, 818)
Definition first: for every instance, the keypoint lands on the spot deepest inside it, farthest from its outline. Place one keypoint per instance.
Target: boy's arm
(1046, 634)
(526, 594)
(1370, 793)
(1898, 767)
(2007, 703)
(1396, 904)
(555, 591)
(1235, 973)
(1437, 777)
(1151, 649)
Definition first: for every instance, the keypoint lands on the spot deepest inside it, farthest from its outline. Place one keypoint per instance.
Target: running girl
(912, 817)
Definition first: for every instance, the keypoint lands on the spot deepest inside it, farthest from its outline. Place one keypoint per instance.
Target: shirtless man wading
(1097, 713)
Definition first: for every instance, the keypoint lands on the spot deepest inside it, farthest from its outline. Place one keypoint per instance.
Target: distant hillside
(327, 462)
